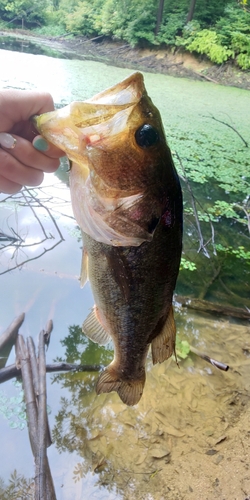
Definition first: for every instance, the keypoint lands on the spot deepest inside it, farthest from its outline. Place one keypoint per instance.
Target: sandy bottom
(188, 438)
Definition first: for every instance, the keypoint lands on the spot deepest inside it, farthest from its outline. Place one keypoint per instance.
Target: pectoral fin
(163, 346)
(94, 330)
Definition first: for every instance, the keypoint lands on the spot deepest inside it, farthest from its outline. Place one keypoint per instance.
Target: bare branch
(230, 126)
(40, 459)
(29, 394)
(202, 246)
(33, 211)
(29, 198)
(11, 371)
(8, 339)
(30, 259)
(214, 362)
(246, 211)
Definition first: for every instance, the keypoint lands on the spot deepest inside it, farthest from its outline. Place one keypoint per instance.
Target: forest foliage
(218, 30)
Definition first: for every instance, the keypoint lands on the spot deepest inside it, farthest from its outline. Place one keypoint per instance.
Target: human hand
(24, 155)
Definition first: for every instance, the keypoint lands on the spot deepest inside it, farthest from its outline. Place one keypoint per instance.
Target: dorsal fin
(163, 345)
(94, 330)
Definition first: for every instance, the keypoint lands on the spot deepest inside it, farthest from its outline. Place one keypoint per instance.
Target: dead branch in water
(245, 209)
(35, 377)
(214, 362)
(230, 126)
(23, 362)
(33, 373)
(8, 339)
(212, 308)
(202, 245)
(28, 198)
(41, 455)
(208, 78)
(12, 371)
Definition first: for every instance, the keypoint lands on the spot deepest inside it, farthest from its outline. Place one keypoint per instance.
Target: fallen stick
(8, 339)
(35, 378)
(29, 394)
(11, 371)
(44, 487)
(47, 332)
(214, 362)
(206, 77)
(40, 459)
(212, 307)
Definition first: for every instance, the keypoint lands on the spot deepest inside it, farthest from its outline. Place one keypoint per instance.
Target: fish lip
(128, 91)
(97, 110)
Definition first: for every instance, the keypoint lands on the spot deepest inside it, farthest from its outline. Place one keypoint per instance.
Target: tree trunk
(159, 16)
(191, 11)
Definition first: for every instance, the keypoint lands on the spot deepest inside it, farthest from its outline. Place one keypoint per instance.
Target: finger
(40, 144)
(18, 173)
(26, 154)
(20, 105)
(7, 140)
(9, 187)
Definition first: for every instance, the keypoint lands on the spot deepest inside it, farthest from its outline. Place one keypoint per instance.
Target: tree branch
(230, 126)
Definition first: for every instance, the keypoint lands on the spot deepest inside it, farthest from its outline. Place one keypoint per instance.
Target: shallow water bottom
(188, 438)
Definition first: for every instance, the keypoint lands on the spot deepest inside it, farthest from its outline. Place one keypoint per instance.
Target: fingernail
(7, 141)
(40, 144)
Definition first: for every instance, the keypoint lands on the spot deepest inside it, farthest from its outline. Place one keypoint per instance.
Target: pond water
(189, 435)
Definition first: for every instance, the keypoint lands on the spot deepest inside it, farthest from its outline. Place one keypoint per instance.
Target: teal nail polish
(40, 144)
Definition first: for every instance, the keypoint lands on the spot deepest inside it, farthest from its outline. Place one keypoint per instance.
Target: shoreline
(164, 61)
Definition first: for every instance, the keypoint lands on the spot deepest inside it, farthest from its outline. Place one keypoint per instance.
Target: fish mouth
(76, 127)
(111, 171)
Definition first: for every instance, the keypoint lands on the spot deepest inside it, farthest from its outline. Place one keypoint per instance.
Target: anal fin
(129, 391)
(163, 346)
(94, 330)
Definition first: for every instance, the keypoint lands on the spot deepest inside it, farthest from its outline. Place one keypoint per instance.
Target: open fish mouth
(112, 164)
(82, 124)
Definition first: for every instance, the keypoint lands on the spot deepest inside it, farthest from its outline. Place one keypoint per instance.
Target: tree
(191, 10)
(159, 16)
(16, 10)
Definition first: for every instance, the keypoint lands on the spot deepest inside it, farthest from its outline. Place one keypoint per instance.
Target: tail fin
(129, 391)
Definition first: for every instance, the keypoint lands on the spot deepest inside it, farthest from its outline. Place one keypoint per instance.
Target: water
(103, 449)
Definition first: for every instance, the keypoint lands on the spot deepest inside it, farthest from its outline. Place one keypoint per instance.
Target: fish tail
(129, 391)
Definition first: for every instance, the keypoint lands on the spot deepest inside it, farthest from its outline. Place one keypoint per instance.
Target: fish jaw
(74, 128)
(111, 178)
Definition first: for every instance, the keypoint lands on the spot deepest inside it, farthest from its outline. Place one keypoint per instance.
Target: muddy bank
(180, 64)
(165, 61)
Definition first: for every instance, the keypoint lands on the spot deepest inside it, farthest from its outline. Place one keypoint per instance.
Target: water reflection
(183, 413)
(29, 224)
(17, 483)
(24, 45)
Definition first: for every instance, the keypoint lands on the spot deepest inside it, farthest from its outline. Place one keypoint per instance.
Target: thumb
(42, 145)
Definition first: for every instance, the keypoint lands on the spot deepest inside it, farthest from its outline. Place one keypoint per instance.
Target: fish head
(117, 135)
(121, 165)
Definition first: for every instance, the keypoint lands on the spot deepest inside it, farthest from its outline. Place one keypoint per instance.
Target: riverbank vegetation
(219, 31)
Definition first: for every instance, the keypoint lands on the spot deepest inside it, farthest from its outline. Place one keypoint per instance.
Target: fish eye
(146, 136)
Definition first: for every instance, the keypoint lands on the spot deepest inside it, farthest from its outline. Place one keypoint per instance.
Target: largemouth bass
(127, 200)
